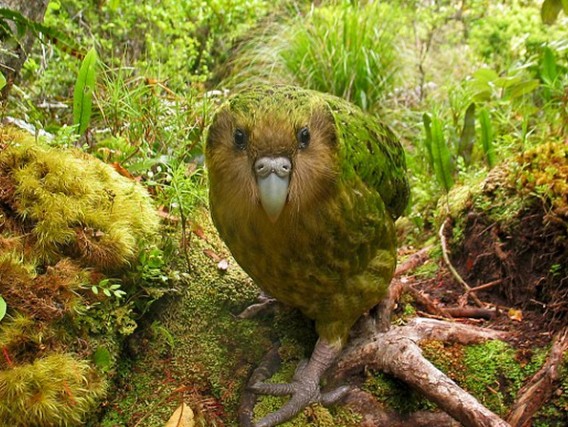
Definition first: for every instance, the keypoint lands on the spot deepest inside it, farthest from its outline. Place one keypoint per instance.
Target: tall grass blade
(83, 94)
(549, 69)
(487, 137)
(467, 137)
(3, 307)
(438, 152)
(428, 139)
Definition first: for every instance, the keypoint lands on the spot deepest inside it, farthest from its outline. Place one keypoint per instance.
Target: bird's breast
(334, 259)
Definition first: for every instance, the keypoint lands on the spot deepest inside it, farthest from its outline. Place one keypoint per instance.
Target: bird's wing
(371, 152)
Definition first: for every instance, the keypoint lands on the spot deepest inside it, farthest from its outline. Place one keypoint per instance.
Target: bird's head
(272, 152)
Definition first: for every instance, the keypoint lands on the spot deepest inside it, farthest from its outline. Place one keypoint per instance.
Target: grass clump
(348, 50)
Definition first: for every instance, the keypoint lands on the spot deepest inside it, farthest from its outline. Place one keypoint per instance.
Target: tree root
(374, 415)
(397, 352)
(451, 268)
(540, 387)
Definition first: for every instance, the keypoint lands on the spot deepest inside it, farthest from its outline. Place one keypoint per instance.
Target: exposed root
(451, 268)
(266, 368)
(541, 386)
(265, 304)
(397, 352)
(374, 415)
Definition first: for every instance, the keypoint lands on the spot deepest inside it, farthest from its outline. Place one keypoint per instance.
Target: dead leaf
(122, 170)
(515, 314)
(198, 231)
(211, 254)
(182, 417)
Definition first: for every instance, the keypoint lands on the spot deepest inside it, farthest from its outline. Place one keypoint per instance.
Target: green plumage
(332, 251)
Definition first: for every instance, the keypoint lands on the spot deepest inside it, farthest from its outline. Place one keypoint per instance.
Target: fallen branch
(471, 312)
(538, 390)
(397, 352)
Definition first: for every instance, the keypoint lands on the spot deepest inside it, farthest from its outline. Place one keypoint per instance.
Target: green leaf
(549, 70)
(467, 137)
(83, 94)
(3, 307)
(441, 155)
(522, 88)
(565, 6)
(487, 137)
(428, 139)
(58, 38)
(550, 9)
(2, 81)
(102, 358)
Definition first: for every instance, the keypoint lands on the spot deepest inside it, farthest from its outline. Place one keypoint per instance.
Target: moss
(543, 171)
(68, 222)
(73, 203)
(55, 390)
(395, 394)
(492, 372)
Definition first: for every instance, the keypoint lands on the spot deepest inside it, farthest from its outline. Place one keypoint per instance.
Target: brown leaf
(515, 314)
(211, 254)
(198, 231)
(122, 170)
(182, 417)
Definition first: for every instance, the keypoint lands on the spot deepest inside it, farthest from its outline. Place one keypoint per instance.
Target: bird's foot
(304, 388)
(265, 303)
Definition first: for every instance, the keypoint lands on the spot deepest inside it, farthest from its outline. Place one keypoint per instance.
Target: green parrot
(304, 189)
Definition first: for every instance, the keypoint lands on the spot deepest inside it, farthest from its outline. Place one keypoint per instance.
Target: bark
(13, 53)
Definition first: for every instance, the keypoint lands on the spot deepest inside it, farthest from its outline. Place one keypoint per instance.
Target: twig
(471, 312)
(397, 286)
(454, 272)
(486, 285)
(415, 260)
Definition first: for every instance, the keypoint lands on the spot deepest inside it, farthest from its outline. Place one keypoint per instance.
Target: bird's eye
(303, 137)
(240, 138)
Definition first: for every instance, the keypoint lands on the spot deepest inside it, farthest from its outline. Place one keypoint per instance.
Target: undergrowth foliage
(468, 87)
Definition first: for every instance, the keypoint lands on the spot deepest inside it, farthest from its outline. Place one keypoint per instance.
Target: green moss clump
(55, 390)
(74, 204)
(71, 229)
(543, 171)
(490, 371)
(395, 394)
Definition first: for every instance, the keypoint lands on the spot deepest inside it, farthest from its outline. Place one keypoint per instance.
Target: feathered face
(271, 157)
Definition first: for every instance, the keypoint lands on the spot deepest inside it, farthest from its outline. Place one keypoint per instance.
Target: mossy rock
(68, 223)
